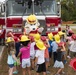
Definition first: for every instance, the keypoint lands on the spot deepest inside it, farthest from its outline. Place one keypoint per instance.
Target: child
(32, 52)
(58, 63)
(11, 54)
(46, 43)
(54, 49)
(73, 47)
(40, 60)
(50, 37)
(17, 45)
(25, 54)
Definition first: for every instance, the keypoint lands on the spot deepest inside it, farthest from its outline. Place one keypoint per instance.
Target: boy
(40, 60)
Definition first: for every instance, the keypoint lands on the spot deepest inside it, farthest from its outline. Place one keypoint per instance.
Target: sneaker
(68, 57)
(47, 72)
(32, 68)
(69, 65)
(57, 74)
(63, 72)
(15, 72)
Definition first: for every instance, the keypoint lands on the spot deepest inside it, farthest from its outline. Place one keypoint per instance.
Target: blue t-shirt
(10, 59)
(50, 48)
(54, 46)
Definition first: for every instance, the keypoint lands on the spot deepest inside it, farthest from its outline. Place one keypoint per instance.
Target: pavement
(74, 27)
(1, 51)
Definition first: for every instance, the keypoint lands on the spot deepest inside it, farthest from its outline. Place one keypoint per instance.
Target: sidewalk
(1, 51)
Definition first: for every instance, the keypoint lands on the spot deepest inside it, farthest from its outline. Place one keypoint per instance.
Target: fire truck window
(48, 7)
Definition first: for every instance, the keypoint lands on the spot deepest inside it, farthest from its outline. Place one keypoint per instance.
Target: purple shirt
(25, 51)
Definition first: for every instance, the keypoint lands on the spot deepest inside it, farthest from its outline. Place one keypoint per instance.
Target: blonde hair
(11, 46)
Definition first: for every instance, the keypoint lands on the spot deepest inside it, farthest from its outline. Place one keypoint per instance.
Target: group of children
(36, 52)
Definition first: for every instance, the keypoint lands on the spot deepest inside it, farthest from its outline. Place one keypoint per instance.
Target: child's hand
(62, 44)
(35, 64)
(18, 63)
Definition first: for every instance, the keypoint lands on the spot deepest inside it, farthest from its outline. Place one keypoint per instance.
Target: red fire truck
(48, 12)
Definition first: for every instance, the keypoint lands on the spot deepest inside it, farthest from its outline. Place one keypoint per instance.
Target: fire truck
(15, 12)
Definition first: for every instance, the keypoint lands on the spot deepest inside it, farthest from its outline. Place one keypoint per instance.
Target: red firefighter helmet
(73, 63)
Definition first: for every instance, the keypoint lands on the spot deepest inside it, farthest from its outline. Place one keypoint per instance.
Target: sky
(2, 0)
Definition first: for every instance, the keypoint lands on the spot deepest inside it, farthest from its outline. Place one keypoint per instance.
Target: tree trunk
(74, 1)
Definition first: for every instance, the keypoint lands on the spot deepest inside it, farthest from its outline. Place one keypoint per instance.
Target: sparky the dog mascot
(32, 26)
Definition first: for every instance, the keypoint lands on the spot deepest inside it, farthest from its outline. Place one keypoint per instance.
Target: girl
(17, 45)
(58, 63)
(46, 43)
(25, 55)
(73, 46)
(11, 54)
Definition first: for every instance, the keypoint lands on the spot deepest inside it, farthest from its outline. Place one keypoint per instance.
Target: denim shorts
(11, 65)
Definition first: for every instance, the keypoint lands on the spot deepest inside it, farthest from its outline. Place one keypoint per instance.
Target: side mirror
(2, 8)
(58, 8)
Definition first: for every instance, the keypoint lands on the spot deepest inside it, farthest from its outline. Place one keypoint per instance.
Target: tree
(74, 1)
(68, 10)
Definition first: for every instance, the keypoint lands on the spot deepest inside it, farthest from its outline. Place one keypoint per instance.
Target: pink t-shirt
(46, 52)
(25, 51)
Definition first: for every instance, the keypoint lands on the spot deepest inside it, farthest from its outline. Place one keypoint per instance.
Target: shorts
(41, 68)
(32, 56)
(63, 53)
(26, 63)
(50, 54)
(11, 65)
(58, 64)
(46, 59)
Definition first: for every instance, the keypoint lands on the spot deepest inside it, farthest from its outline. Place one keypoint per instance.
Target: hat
(40, 45)
(60, 44)
(43, 38)
(57, 38)
(50, 36)
(73, 36)
(9, 34)
(32, 19)
(61, 33)
(9, 39)
(73, 63)
(70, 31)
(37, 37)
(24, 38)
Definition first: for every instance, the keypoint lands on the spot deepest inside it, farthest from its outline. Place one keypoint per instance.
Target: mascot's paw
(40, 29)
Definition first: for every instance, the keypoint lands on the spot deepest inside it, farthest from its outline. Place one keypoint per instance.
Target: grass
(74, 30)
(68, 24)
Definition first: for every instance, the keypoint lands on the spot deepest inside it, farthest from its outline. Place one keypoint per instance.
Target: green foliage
(68, 10)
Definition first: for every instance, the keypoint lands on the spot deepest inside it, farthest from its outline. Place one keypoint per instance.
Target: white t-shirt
(73, 46)
(32, 50)
(40, 56)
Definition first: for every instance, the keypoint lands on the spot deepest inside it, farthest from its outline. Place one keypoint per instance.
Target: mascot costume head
(32, 26)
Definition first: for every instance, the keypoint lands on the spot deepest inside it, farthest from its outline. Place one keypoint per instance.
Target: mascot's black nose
(33, 28)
